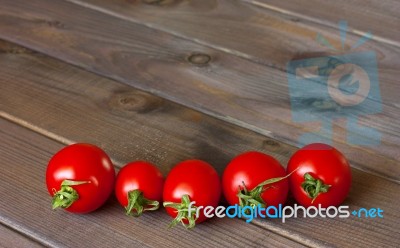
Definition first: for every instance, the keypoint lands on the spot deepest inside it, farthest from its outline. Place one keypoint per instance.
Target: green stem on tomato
(253, 197)
(313, 187)
(137, 203)
(182, 210)
(66, 195)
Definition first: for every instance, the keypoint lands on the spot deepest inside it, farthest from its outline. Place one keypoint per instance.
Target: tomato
(322, 175)
(80, 177)
(139, 187)
(257, 176)
(191, 181)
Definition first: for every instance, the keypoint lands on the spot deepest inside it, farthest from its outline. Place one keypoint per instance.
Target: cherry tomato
(188, 181)
(258, 176)
(322, 175)
(80, 177)
(139, 187)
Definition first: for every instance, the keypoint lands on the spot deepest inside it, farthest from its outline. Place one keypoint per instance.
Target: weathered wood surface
(10, 239)
(25, 205)
(69, 104)
(230, 87)
(72, 105)
(259, 34)
(380, 17)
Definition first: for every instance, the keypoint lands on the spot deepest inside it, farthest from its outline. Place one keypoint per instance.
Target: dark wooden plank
(228, 87)
(70, 105)
(259, 34)
(11, 239)
(25, 206)
(54, 97)
(380, 17)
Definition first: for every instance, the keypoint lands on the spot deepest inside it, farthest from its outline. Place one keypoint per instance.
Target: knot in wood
(139, 102)
(199, 59)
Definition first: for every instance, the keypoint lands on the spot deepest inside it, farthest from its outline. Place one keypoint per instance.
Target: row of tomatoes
(81, 177)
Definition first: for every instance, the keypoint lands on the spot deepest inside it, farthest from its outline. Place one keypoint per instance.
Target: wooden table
(168, 80)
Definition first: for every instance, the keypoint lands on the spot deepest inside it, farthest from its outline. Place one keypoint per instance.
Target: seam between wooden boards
(176, 34)
(243, 55)
(353, 31)
(60, 139)
(28, 237)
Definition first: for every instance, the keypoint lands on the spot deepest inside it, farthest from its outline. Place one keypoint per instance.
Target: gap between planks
(11, 238)
(176, 34)
(46, 133)
(319, 21)
(315, 21)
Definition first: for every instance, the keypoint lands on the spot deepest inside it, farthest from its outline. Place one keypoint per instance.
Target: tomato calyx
(138, 203)
(253, 197)
(183, 212)
(250, 198)
(66, 195)
(313, 187)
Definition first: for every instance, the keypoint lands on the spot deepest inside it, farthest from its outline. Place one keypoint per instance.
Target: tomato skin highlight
(82, 162)
(194, 178)
(325, 163)
(253, 168)
(139, 175)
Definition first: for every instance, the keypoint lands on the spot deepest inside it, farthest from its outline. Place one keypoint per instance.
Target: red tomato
(188, 181)
(321, 175)
(80, 177)
(139, 187)
(258, 175)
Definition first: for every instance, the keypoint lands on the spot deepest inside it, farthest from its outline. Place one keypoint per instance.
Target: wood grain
(54, 98)
(217, 83)
(379, 17)
(25, 205)
(259, 34)
(11, 239)
(67, 103)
